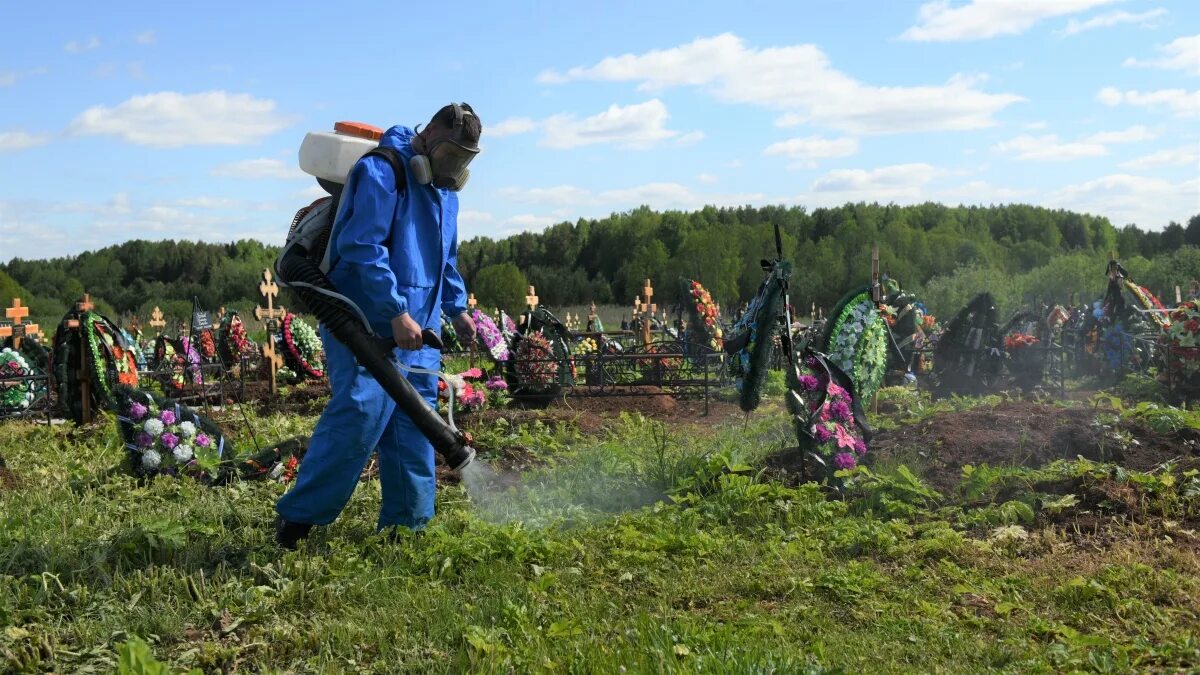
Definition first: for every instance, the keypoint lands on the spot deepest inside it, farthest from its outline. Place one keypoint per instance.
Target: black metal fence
(25, 393)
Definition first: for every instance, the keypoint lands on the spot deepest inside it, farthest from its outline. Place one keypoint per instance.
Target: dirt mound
(1023, 433)
(8, 479)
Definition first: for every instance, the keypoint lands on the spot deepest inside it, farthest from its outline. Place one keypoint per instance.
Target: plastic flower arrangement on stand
(1148, 301)
(207, 345)
(585, 346)
(15, 395)
(1017, 341)
(536, 364)
(507, 324)
(490, 336)
(303, 346)
(827, 418)
(469, 392)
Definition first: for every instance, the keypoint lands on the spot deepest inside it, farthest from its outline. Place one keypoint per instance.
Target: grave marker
(269, 316)
(18, 329)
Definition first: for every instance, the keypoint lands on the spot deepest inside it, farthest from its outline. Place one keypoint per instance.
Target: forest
(945, 254)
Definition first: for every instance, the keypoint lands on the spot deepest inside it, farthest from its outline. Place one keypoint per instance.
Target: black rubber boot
(288, 534)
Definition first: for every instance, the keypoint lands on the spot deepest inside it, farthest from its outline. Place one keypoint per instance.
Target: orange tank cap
(359, 130)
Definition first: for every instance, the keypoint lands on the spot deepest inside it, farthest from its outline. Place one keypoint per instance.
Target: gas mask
(443, 163)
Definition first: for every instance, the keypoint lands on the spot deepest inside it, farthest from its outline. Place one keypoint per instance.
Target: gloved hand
(406, 332)
(464, 328)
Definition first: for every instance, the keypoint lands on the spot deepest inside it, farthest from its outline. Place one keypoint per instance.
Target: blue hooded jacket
(397, 253)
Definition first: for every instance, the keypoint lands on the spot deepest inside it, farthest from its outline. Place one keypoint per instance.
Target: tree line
(943, 253)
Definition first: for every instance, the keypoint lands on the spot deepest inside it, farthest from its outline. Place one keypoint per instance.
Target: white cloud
(938, 21)
(706, 178)
(147, 37)
(20, 140)
(811, 148)
(10, 77)
(663, 196)
(1179, 54)
(312, 193)
(469, 217)
(1168, 157)
(530, 221)
(171, 120)
(510, 127)
(800, 81)
(1050, 148)
(1036, 126)
(258, 168)
(636, 126)
(1145, 20)
(1124, 198)
(74, 47)
(1181, 102)
(559, 194)
(690, 138)
(983, 193)
(734, 164)
(900, 182)
(209, 202)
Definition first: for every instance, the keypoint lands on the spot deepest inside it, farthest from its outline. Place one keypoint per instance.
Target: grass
(647, 549)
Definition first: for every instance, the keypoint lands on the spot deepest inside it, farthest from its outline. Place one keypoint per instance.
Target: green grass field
(645, 548)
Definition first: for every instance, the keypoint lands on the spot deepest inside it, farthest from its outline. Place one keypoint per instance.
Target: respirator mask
(443, 163)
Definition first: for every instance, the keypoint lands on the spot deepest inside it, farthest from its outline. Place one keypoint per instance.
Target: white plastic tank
(330, 155)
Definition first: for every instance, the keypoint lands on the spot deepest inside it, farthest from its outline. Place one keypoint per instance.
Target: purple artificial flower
(137, 411)
(497, 384)
(845, 460)
(809, 382)
(812, 362)
(836, 391)
(170, 440)
(860, 447)
(840, 411)
(144, 440)
(203, 440)
(167, 417)
(822, 433)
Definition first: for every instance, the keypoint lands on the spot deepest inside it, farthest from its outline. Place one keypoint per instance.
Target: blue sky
(163, 120)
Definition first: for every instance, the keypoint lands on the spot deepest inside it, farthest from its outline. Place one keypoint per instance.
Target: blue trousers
(360, 418)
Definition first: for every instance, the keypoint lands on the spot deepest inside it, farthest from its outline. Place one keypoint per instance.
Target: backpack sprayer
(303, 266)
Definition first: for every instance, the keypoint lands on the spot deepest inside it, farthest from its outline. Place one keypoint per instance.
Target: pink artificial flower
(860, 447)
(808, 382)
(167, 417)
(497, 384)
(203, 440)
(844, 438)
(825, 415)
(137, 411)
(471, 374)
(170, 440)
(835, 390)
(845, 460)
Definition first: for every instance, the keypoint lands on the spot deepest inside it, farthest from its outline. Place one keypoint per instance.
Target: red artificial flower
(1193, 326)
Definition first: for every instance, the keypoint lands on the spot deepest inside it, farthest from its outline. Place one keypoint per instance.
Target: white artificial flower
(187, 430)
(151, 459)
(154, 427)
(182, 452)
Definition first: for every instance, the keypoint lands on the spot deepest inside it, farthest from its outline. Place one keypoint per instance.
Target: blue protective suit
(392, 254)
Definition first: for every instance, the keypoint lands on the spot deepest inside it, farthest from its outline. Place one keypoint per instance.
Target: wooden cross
(471, 302)
(156, 320)
(18, 330)
(876, 290)
(221, 313)
(85, 305)
(269, 316)
(531, 300)
(649, 309)
(592, 311)
(1178, 296)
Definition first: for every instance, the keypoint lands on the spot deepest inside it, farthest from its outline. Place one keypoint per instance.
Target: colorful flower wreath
(181, 358)
(535, 361)
(857, 343)
(1147, 301)
(232, 339)
(491, 337)
(206, 345)
(106, 349)
(824, 413)
(1183, 337)
(702, 315)
(469, 393)
(506, 322)
(16, 395)
(303, 346)
(167, 438)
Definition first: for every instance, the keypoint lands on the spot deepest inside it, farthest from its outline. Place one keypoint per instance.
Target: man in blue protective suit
(394, 254)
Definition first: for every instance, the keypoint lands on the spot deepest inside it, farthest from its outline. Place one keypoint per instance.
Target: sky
(130, 120)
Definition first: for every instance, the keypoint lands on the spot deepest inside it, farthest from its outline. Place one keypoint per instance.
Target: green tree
(501, 286)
